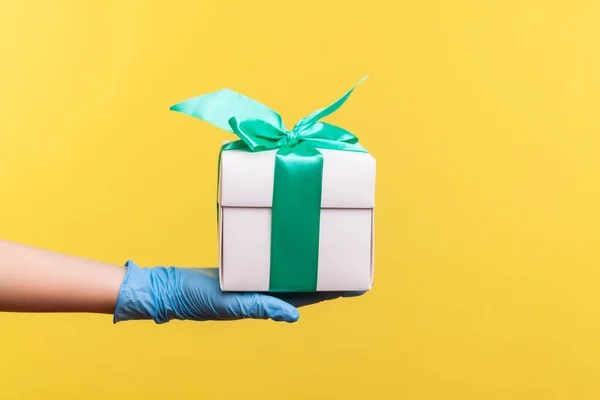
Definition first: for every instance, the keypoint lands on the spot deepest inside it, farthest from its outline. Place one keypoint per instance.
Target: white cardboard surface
(346, 240)
(345, 249)
(247, 179)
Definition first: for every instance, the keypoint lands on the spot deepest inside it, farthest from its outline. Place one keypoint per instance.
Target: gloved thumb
(260, 306)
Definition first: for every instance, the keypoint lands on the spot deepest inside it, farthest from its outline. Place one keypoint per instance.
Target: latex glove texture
(162, 294)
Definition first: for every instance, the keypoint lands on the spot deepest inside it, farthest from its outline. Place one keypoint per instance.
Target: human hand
(163, 294)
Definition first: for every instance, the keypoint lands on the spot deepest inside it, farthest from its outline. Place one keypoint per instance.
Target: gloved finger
(260, 306)
(309, 298)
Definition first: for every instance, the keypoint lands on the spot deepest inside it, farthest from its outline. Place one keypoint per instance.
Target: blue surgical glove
(163, 294)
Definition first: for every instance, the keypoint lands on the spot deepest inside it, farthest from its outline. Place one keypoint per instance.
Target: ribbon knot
(291, 135)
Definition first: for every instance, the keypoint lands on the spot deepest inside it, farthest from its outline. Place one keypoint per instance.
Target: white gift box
(346, 236)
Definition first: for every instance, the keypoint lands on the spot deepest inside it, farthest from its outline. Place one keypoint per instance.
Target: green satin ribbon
(296, 208)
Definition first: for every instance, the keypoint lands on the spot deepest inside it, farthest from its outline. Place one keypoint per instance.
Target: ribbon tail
(323, 112)
(219, 107)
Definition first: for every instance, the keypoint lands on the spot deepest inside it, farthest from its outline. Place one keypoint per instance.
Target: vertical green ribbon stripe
(297, 185)
(296, 217)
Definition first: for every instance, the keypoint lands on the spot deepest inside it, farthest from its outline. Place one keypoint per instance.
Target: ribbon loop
(323, 130)
(257, 134)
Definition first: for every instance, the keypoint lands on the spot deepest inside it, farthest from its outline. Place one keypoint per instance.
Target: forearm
(36, 280)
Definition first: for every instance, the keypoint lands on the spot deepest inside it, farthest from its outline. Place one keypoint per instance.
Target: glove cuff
(136, 300)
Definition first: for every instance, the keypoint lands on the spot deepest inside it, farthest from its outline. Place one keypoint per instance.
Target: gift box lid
(247, 179)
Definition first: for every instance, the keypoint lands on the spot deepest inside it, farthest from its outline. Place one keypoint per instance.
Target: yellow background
(484, 118)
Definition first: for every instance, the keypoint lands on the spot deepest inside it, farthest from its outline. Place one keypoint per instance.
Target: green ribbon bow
(296, 208)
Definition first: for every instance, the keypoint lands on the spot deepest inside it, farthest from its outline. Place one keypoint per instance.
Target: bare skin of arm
(37, 280)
